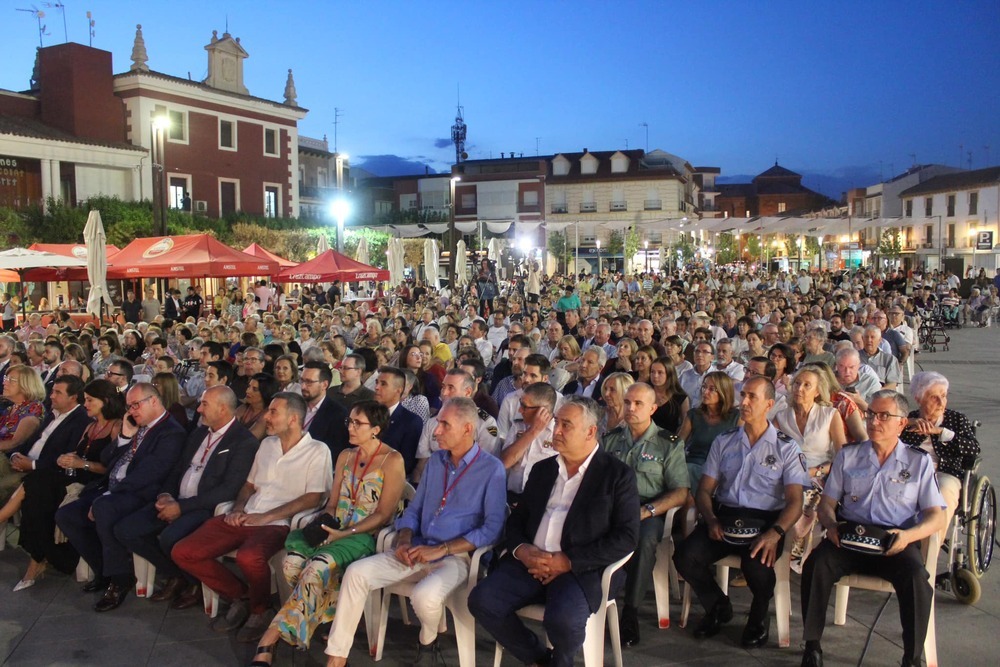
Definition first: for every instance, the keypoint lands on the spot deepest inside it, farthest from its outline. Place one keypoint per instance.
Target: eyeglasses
(349, 368)
(304, 381)
(355, 423)
(132, 406)
(529, 407)
(881, 416)
(113, 374)
(256, 360)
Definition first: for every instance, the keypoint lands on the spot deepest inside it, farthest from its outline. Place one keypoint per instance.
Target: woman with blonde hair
(23, 388)
(613, 392)
(854, 422)
(626, 355)
(811, 420)
(569, 354)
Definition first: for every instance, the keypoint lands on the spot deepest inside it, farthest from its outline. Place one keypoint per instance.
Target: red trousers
(198, 555)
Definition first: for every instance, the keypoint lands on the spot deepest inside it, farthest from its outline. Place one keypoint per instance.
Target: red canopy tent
(262, 252)
(76, 250)
(191, 256)
(329, 266)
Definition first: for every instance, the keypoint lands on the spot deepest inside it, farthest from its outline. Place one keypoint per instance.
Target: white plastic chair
(929, 547)
(782, 592)
(666, 581)
(145, 576)
(377, 607)
(593, 643)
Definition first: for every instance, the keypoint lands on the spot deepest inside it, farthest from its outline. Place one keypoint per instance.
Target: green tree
(631, 243)
(378, 241)
(616, 243)
(889, 245)
(752, 249)
(726, 249)
(559, 247)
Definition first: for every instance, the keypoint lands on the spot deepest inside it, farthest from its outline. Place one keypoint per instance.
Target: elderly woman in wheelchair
(947, 435)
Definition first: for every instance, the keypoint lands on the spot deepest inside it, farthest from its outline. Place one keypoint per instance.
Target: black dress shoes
(113, 597)
(720, 614)
(812, 658)
(95, 584)
(189, 597)
(756, 633)
(629, 626)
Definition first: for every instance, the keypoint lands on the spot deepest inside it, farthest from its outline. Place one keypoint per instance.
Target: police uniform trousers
(639, 569)
(905, 571)
(695, 558)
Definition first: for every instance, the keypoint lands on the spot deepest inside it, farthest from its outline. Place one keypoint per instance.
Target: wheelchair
(972, 537)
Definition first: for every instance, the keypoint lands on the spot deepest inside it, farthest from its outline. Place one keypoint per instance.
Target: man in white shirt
(478, 332)
(725, 363)
(291, 473)
(457, 383)
(498, 331)
(536, 368)
(530, 441)
(691, 378)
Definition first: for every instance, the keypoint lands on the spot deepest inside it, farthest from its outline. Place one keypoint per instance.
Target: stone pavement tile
(217, 650)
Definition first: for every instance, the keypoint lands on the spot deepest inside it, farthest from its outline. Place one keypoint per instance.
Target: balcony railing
(529, 208)
(560, 208)
(619, 206)
(314, 192)
(588, 207)
(653, 204)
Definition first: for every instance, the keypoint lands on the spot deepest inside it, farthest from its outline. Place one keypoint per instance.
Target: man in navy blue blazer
(326, 420)
(60, 431)
(404, 430)
(146, 451)
(212, 469)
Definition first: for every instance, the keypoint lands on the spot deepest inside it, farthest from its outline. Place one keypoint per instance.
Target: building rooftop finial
(290, 94)
(139, 56)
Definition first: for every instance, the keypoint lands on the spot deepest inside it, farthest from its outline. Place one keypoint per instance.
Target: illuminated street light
(340, 208)
(598, 256)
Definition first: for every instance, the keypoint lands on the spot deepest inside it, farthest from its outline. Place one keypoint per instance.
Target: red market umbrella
(329, 266)
(74, 250)
(191, 256)
(259, 251)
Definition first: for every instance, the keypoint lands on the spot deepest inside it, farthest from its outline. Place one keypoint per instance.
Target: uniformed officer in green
(657, 456)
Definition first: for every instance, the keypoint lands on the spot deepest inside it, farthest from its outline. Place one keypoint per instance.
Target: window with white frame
(272, 201)
(270, 142)
(227, 134)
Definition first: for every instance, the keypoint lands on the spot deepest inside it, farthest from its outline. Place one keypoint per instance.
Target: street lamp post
(453, 236)
(340, 208)
(158, 129)
(598, 256)
(647, 256)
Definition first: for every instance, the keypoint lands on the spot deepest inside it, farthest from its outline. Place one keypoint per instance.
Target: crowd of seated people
(182, 440)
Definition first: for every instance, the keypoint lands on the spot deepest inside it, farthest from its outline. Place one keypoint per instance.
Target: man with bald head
(211, 470)
(657, 456)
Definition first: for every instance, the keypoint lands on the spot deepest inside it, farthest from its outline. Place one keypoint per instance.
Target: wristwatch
(779, 530)
(86, 466)
(651, 508)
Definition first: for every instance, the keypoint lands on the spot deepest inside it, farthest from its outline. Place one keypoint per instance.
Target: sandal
(264, 650)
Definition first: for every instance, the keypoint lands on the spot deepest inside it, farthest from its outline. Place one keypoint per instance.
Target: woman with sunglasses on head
(368, 485)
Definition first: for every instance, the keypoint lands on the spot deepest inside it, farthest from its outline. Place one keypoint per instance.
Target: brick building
(775, 192)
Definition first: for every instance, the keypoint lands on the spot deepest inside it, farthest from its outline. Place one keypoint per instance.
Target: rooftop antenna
(913, 156)
(961, 155)
(646, 125)
(39, 15)
(90, 27)
(537, 140)
(336, 121)
(62, 8)
(969, 153)
(459, 130)
(626, 143)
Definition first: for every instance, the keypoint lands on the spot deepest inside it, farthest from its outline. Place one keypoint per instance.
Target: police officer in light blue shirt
(889, 485)
(750, 493)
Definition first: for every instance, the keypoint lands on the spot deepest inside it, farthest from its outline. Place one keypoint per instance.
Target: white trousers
(434, 583)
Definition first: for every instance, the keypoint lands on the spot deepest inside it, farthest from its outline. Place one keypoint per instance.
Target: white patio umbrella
(323, 245)
(97, 263)
(493, 250)
(394, 257)
(431, 262)
(20, 260)
(663, 256)
(461, 264)
(362, 254)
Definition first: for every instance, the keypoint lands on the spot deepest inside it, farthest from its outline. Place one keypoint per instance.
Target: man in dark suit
(59, 432)
(577, 515)
(325, 419)
(403, 433)
(589, 380)
(52, 356)
(211, 470)
(147, 450)
(172, 305)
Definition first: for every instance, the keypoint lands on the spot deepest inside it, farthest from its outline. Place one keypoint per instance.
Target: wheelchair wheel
(982, 526)
(966, 586)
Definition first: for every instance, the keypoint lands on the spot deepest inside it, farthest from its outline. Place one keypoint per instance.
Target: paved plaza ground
(52, 623)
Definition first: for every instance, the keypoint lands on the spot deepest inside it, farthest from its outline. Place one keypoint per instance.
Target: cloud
(442, 143)
(394, 165)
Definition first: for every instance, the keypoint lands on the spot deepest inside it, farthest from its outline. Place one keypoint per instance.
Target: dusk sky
(838, 91)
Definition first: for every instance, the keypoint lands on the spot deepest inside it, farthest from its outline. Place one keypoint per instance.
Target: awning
(330, 266)
(190, 256)
(263, 253)
(74, 250)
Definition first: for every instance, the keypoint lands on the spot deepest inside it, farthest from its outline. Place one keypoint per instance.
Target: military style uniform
(749, 477)
(891, 495)
(657, 458)
(486, 436)
(539, 450)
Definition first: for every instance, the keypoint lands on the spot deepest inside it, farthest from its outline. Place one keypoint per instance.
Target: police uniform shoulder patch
(802, 460)
(483, 414)
(784, 437)
(730, 431)
(917, 449)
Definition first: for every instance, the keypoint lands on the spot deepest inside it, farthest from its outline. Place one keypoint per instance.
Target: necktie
(126, 458)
